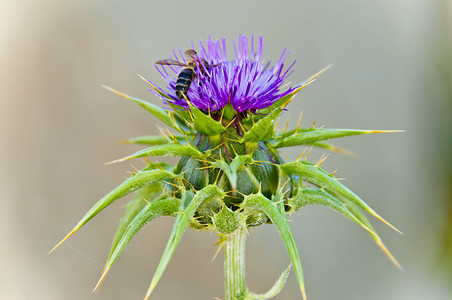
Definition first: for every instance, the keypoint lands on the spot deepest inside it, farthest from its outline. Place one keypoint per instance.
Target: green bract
(230, 177)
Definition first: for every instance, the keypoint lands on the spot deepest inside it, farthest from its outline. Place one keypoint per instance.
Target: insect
(188, 74)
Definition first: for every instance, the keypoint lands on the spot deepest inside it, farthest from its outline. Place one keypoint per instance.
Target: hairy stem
(234, 265)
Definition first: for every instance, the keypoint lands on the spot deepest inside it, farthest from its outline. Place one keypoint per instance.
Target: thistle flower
(246, 82)
(230, 176)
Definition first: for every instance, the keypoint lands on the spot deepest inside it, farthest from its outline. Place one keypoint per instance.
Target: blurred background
(392, 70)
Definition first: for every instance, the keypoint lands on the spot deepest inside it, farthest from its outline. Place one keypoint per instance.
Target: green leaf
(135, 182)
(154, 140)
(204, 123)
(188, 206)
(160, 113)
(263, 129)
(173, 149)
(317, 135)
(183, 113)
(141, 198)
(231, 169)
(358, 214)
(308, 196)
(313, 174)
(333, 148)
(153, 210)
(277, 287)
(278, 217)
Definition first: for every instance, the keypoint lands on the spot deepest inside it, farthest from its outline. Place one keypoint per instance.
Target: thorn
(163, 134)
(170, 183)
(241, 126)
(235, 152)
(385, 131)
(136, 170)
(334, 172)
(285, 192)
(301, 155)
(221, 116)
(218, 176)
(174, 121)
(189, 111)
(221, 244)
(299, 122)
(232, 121)
(277, 122)
(310, 80)
(171, 135)
(389, 254)
(243, 195)
(65, 238)
(286, 126)
(224, 184)
(254, 149)
(216, 147)
(125, 142)
(307, 154)
(324, 157)
(101, 280)
(115, 91)
(285, 183)
(313, 123)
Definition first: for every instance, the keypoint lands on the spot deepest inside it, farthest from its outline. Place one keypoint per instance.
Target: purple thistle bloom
(246, 82)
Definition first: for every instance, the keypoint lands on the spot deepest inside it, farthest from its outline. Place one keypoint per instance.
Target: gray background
(58, 128)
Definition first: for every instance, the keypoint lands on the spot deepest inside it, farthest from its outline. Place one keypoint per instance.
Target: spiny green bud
(230, 175)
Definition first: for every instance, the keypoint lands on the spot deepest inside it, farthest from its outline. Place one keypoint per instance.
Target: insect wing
(190, 53)
(168, 62)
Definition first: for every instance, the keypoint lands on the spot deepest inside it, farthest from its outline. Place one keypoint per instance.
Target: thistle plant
(230, 176)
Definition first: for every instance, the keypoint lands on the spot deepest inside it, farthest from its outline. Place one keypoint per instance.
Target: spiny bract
(230, 175)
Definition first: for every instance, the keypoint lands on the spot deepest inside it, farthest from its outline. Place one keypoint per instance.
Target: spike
(313, 123)
(235, 152)
(334, 172)
(174, 121)
(309, 152)
(241, 126)
(324, 157)
(221, 116)
(217, 147)
(286, 126)
(232, 121)
(171, 135)
(170, 183)
(64, 239)
(276, 123)
(299, 122)
(163, 134)
(285, 183)
(301, 155)
(101, 280)
(218, 176)
(389, 254)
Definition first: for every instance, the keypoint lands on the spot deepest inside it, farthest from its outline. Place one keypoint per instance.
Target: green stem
(234, 265)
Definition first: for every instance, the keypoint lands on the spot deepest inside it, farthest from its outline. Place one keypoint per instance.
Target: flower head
(246, 82)
(230, 176)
